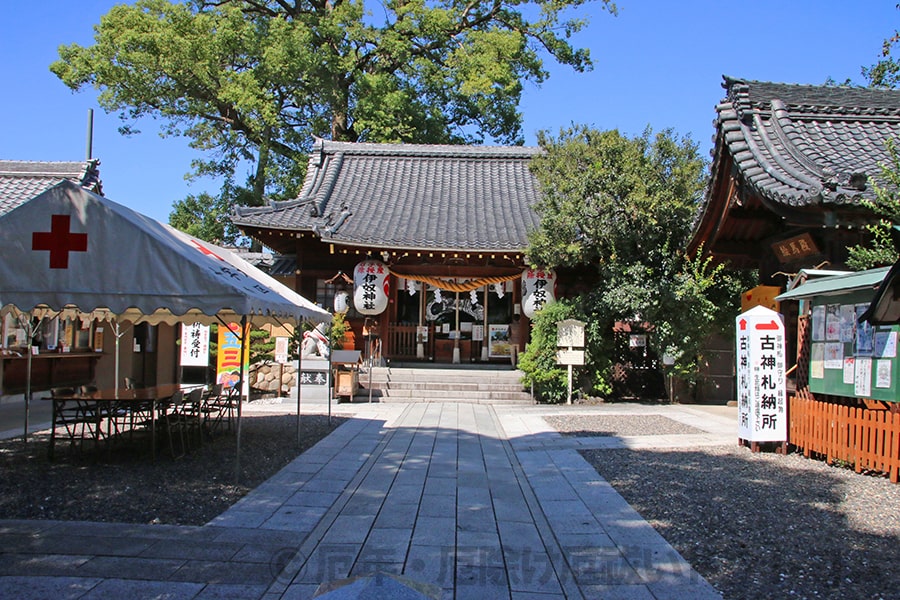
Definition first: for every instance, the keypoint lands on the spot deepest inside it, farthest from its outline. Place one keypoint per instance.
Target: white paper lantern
(371, 287)
(538, 290)
(341, 302)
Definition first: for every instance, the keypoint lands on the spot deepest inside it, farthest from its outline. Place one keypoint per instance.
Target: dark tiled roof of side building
(21, 181)
(409, 196)
(800, 145)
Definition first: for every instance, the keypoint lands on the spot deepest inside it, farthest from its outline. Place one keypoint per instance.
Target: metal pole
(28, 388)
(569, 400)
(484, 340)
(330, 383)
(299, 382)
(368, 362)
(30, 330)
(90, 135)
(237, 458)
(456, 352)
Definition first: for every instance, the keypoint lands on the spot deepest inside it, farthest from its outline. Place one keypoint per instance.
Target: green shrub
(538, 362)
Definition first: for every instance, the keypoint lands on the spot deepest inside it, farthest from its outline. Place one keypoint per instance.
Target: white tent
(70, 249)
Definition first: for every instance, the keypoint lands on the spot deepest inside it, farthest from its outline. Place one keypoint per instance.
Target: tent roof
(838, 284)
(885, 307)
(69, 248)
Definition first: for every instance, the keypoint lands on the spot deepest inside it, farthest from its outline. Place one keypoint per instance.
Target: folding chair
(78, 417)
(192, 414)
(172, 421)
(222, 407)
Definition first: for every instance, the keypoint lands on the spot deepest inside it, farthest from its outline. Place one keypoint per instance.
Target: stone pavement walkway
(486, 502)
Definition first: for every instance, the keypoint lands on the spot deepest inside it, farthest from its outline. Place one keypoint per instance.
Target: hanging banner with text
(194, 345)
(228, 359)
(761, 387)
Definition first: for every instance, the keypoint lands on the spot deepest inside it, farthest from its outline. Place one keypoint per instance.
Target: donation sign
(761, 388)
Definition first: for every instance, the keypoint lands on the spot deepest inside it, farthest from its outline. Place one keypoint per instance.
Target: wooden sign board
(570, 334)
(570, 357)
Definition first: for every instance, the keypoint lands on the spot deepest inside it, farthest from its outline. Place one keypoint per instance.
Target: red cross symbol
(59, 241)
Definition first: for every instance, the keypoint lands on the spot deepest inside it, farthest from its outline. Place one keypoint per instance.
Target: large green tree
(880, 249)
(885, 72)
(624, 206)
(257, 80)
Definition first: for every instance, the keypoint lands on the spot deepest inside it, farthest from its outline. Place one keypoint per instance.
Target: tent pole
(330, 382)
(27, 389)
(237, 458)
(30, 330)
(299, 380)
(116, 333)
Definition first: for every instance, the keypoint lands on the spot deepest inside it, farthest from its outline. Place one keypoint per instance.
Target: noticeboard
(849, 358)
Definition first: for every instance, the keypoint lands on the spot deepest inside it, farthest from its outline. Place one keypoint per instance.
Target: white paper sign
(281, 350)
(862, 385)
(849, 370)
(761, 366)
(882, 373)
(194, 345)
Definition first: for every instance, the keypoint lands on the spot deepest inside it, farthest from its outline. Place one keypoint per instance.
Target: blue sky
(658, 63)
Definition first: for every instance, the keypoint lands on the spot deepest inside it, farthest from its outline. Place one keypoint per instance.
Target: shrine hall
(422, 246)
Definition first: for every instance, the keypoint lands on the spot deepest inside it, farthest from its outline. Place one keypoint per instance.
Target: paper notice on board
(833, 322)
(862, 381)
(883, 373)
(848, 323)
(886, 344)
(834, 355)
(818, 323)
(817, 361)
(849, 364)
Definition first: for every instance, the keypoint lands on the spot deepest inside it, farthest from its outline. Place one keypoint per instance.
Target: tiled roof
(407, 196)
(799, 145)
(22, 180)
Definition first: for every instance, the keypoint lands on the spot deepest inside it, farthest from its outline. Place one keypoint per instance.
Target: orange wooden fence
(867, 437)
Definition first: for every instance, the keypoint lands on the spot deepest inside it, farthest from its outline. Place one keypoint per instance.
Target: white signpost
(761, 370)
(570, 347)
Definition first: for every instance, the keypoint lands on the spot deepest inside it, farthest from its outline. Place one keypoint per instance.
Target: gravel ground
(129, 487)
(760, 525)
(617, 425)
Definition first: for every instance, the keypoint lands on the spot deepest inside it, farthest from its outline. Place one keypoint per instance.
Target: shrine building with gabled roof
(792, 168)
(449, 224)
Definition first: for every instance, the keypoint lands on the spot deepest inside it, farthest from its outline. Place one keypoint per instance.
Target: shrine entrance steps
(470, 384)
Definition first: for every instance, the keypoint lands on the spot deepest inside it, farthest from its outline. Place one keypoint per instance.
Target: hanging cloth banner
(228, 356)
(451, 285)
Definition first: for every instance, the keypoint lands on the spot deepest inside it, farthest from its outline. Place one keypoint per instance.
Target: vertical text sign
(194, 345)
(761, 389)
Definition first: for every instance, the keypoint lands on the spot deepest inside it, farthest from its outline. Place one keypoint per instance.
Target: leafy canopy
(885, 73)
(236, 76)
(881, 250)
(255, 81)
(624, 207)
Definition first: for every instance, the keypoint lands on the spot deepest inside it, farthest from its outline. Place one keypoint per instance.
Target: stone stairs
(475, 385)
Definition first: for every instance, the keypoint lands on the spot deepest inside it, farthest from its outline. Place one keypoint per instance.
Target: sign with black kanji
(761, 371)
